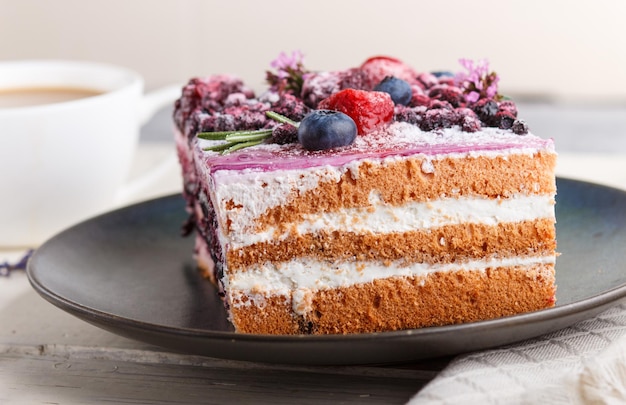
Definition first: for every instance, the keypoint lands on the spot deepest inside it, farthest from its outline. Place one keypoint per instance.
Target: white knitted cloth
(581, 364)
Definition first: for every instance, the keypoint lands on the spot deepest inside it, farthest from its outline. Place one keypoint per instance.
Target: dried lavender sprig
(6, 268)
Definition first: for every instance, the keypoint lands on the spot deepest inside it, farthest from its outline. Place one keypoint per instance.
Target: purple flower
(290, 73)
(478, 82)
(472, 97)
(284, 63)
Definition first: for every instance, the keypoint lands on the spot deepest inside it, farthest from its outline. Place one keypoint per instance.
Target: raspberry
(452, 95)
(447, 80)
(420, 100)
(428, 80)
(370, 110)
(437, 104)
(379, 67)
(355, 78)
(318, 86)
(508, 106)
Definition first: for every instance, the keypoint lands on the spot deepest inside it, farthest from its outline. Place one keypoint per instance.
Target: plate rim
(591, 305)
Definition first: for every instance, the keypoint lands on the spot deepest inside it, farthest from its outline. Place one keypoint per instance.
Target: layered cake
(368, 199)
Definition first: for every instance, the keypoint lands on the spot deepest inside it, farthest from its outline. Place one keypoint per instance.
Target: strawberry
(379, 67)
(370, 110)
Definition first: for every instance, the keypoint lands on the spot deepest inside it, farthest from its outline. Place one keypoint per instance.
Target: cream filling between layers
(381, 218)
(300, 278)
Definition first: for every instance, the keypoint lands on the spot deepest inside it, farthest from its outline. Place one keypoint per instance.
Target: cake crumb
(428, 167)
(302, 301)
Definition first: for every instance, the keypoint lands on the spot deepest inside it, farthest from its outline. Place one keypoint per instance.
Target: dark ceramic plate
(131, 273)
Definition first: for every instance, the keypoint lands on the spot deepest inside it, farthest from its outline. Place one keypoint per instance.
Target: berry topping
(519, 127)
(223, 109)
(486, 110)
(508, 106)
(427, 80)
(420, 100)
(505, 119)
(451, 94)
(370, 110)
(442, 73)
(438, 118)
(284, 134)
(326, 129)
(399, 90)
(379, 67)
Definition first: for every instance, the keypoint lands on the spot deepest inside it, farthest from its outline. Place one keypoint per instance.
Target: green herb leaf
(236, 140)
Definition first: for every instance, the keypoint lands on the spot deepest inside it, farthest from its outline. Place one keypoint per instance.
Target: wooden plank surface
(48, 357)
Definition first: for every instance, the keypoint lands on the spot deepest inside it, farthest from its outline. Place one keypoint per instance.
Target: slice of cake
(370, 199)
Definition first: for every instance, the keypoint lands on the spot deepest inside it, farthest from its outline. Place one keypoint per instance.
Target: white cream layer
(380, 218)
(241, 196)
(299, 278)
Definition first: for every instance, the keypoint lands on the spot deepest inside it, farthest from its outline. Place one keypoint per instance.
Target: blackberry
(208, 94)
(519, 127)
(470, 123)
(289, 106)
(505, 118)
(486, 110)
(215, 122)
(284, 134)
(437, 119)
(466, 118)
(355, 78)
(409, 115)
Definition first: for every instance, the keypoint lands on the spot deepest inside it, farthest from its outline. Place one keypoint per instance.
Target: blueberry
(442, 73)
(399, 90)
(325, 129)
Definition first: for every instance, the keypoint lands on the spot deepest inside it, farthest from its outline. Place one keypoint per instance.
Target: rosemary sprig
(235, 140)
(281, 118)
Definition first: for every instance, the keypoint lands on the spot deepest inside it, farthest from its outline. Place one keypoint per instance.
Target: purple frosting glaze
(394, 142)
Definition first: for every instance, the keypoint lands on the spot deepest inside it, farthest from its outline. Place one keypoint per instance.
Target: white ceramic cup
(63, 162)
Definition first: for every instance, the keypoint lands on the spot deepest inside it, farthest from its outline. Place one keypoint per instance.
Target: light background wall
(571, 51)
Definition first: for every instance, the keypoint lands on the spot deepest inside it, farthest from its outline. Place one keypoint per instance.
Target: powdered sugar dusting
(398, 139)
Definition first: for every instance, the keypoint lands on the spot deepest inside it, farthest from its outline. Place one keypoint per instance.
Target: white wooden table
(50, 357)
